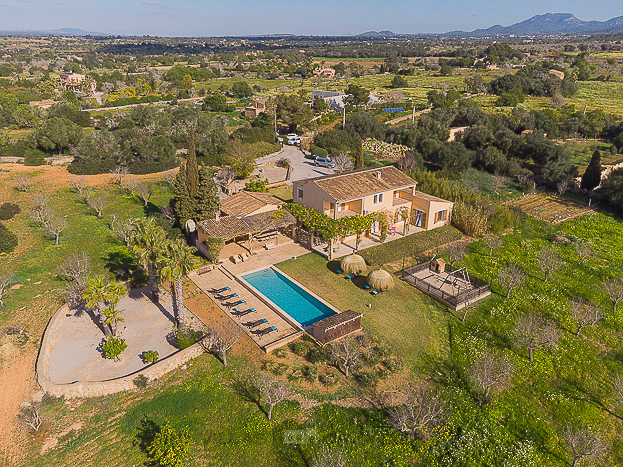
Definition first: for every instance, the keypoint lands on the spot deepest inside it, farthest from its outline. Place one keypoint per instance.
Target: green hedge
(410, 245)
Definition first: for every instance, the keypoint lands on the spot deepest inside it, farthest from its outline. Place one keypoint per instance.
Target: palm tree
(112, 318)
(148, 245)
(179, 262)
(99, 292)
(96, 295)
(115, 290)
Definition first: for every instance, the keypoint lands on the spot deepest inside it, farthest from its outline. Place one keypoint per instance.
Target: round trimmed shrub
(320, 152)
(113, 347)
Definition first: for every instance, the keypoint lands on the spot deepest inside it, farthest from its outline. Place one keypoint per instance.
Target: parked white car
(293, 139)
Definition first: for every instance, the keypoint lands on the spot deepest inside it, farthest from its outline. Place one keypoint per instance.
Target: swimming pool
(291, 298)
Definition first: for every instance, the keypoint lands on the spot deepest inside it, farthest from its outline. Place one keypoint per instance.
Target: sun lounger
(350, 276)
(257, 323)
(338, 271)
(367, 287)
(222, 296)
(376, 292)
(236, 259)
(221, 290)
(245, 312)
(245, 257)
(263, 332)
(230, 305)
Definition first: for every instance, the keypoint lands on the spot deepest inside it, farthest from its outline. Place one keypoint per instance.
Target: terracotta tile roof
(357, 183)
(428, 197)
(246, 203)
(226, 227)
(270, 220)
(337, 319)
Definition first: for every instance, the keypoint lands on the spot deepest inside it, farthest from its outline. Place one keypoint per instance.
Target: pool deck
(225, 276)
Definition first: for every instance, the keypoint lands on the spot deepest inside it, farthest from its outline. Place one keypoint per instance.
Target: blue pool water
(296, 302)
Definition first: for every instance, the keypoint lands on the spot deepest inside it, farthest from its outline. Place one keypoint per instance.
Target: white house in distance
(335, 99)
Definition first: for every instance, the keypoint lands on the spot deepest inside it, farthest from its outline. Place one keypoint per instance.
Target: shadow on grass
(244, 386)
(123, 265)
(147, 431)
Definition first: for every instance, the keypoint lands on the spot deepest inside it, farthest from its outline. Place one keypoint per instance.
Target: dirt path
(406, 117)
(18, 385)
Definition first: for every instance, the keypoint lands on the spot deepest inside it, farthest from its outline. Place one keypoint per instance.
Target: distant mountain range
(378, 34)
(54, 32)
(548, 25)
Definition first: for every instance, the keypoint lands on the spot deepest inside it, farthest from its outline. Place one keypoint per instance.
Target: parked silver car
(324, 162)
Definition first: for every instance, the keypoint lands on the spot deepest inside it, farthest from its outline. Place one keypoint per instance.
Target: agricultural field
(551, 208)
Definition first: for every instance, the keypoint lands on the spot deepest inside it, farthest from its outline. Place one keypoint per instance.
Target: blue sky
(311, 17)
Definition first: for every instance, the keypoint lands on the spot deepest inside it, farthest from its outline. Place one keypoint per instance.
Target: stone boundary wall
(100, 388)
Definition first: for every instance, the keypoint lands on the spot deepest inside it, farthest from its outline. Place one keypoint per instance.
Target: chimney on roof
(378, 175)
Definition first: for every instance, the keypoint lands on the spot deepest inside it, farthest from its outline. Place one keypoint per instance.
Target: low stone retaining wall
(99, 388)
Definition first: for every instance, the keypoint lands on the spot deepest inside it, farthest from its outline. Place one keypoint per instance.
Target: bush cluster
(186, 337)
(113, 347)
(8, 240)
(9, 211)
(410, 245)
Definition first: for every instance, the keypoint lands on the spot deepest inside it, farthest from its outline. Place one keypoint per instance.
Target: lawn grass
(409, 322)
(283, 192)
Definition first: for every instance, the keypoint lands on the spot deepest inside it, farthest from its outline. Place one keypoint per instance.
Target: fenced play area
(454, 287)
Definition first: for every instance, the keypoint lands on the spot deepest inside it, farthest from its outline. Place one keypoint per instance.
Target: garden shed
(336, 326)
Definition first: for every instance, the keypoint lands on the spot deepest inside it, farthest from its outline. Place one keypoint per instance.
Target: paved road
(303, 168)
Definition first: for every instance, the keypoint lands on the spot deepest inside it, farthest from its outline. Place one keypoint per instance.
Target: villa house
(74, 81)
(365, 191)
(334, 99)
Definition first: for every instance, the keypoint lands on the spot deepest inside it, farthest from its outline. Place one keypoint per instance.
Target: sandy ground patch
(75, 356)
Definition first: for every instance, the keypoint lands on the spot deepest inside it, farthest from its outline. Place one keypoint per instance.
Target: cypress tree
(359, 163)
(183, 202)
(192, 170)
(207, 202)
(592, 175)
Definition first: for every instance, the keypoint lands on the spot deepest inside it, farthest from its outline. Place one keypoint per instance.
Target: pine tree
(207, 202)
(204, 205)
(592, 175)
(359, 163)
(192, 170)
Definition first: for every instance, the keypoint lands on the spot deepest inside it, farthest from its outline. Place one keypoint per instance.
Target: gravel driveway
(303, 168)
